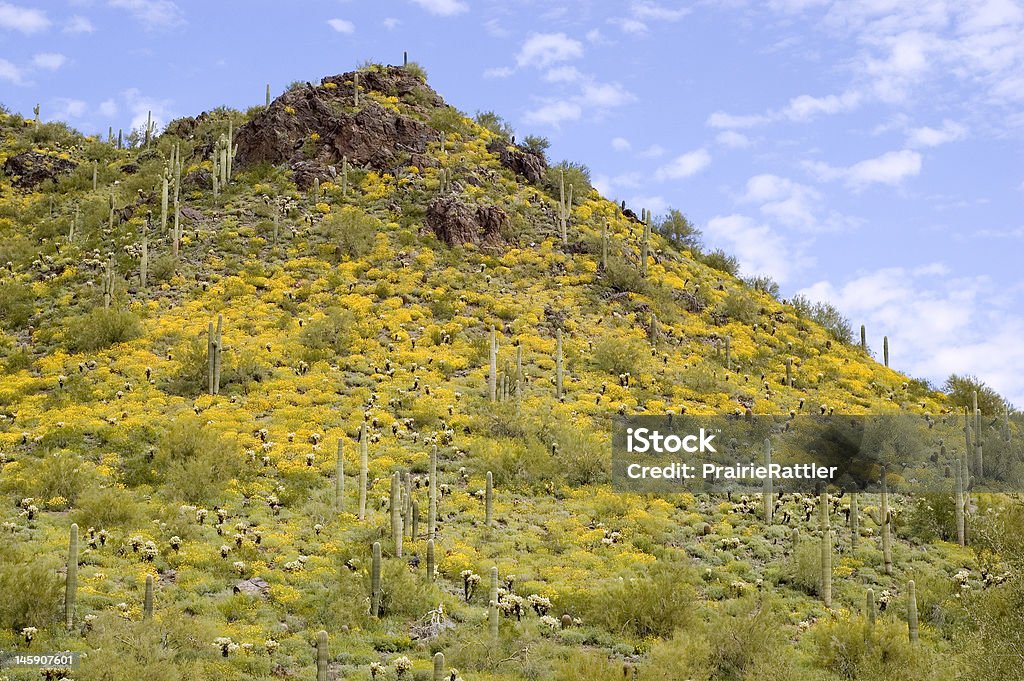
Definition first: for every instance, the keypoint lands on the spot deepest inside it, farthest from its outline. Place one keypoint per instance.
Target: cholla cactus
(225, 645)
(402, 666)
(469, 582)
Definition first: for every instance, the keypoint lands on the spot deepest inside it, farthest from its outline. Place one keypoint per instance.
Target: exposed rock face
(372, 135)
(520, 160)
(32, 168)
(457, 223)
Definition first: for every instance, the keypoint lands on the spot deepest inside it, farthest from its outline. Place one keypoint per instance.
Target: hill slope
(351, 269)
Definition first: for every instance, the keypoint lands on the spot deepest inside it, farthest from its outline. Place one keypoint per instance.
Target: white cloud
(563, 74)
(24, 19)
(785, 201)
(342, 25)
(152, 13)
(937, 324)
(933, 137)
(654, 203)
(650, 10)
(653, 151)
(50, 61)
(629, 25)
(78, 24)
(544, 49)
(10, 72)
(806, 107)
(108, 108)
(554, 113)
(622, 144)
(140, 105)
(732, 139)
(391, 23)
(69, 108)
(720, 119)
(594, 36)
(758, 249)
(890, 168)
(605, 95)
(499, 72)
(684, 166)
(443, 8)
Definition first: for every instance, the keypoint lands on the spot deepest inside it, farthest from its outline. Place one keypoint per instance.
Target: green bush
(350, 231)
(826, 315)
(106, 507)
(678, 230)
(17, 303)
(622, 277)
(739, 306)
(495, 123)
(616, 355)
(31, 588)
(656, 603)
(721, 261)
(449, 120)
(196, 462)
(101, 328)
(575, 174)
(854, 649)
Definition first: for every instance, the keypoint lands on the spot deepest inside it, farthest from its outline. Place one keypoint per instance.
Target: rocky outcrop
(457, 223)
(32, 168)
(311, 126)
(523, 162)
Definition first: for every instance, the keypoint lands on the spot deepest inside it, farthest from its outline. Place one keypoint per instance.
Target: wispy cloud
(341, 25)
(541, 50)
(10, 72)
(891, 168)
(759, 248)
(684, 166)
(732, 139)
(152, 14)
(443, 8)
(49, 61)
(554, 113)
(933, 137)
(24, 19)
(641, 13)
(78, 24)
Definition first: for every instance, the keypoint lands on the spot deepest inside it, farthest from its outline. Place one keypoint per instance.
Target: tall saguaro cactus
(912, 628)
(559, 369)
(826, 553)
(489, 500)
(958, 502)
(339, 477)
(431, 561)
(439, 667)
(492, 375)
(71, 578)
(769, 505)
(147, 607)
(863, 338)
(397, 531)
(214, 348)
(854, 520)
(375, 580)
(493, 604)
(322, 655)
(885, 349)
(870, 606)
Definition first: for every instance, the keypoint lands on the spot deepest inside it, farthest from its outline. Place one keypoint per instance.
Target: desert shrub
(196, 462)
(932, 517)
(803, 569)
(57, 475)
(656, 603)
(738, 306)
(678, 230)
(193, 366)
(350, 231)
(106, 507)
(826, 315)
(514, 462)
(622, 277)
(101, 328)
(31, 588)
(961, 389)
(17, 303)
(854, 649)
(587, 665)
(616, 355)
(536, 144)
(17, 359)
(402, 593)
(416, 69)
(448, 120)
(721, 261)
(763, 284)
(495, 123)
(163, 268)
(575, 174)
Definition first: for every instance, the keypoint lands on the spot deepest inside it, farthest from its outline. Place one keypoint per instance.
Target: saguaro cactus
(958, 502)
(645, 244)
(604, 245)
(493, 606)
(863, 338)
(728, 353)
(564, 208)
(769, 505)
(71, 578)
(363, 472)
(885, 349)
(147, 608)
(214, 346)
(439, 667)
(396, 514)
(870, 607)
(489, 500)
(375, 581)
(558, 364)
(108, 283)
(826, 553)
(789, 372)
(854, 520)
(431, 561)
(164, 196)
(268, 94)
(321, 655)
(912, 611)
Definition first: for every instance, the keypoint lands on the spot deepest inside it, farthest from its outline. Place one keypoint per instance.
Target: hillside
(197, 325)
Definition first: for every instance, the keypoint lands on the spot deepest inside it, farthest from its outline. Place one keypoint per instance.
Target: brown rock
(457, 223)
(32, 168)
(520, 160)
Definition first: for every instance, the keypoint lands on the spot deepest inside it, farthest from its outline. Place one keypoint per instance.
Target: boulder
(32, 168)
(523, 162)
(457, 223)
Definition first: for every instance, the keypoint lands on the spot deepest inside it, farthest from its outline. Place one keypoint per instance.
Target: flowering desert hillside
(324, 389)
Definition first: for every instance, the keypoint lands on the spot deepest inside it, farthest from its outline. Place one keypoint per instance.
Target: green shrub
(720, 260)
(495, 123)
(449, 120)
(350, 231)
(738, 306)
(622, 277)
(196, 462)
(575, 174)
(31, 587)
(106, 507)
(536, 144)
(655, 603)
(854, 649)
(616, 355)
(17, 303)
(763, 284)
(678, 230)
(826, 315)
(101, 328)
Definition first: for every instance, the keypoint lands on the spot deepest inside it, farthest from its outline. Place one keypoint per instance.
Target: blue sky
(868, 152)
